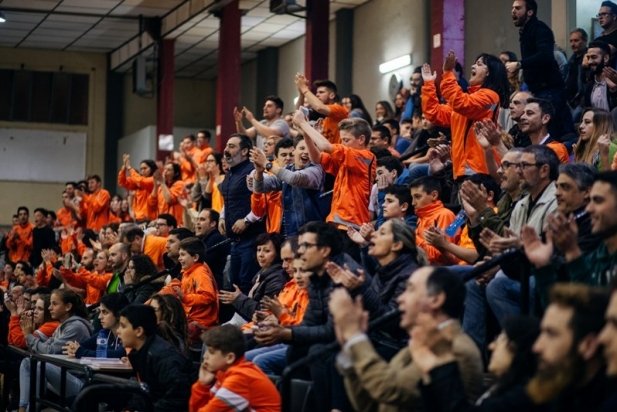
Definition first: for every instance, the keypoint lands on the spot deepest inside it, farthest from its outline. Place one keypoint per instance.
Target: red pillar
(447, 31)
(228, 81)
(165, 94)
(316, 40)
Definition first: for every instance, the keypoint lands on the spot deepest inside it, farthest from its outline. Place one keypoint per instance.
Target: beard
(599, 68)
(550, 382)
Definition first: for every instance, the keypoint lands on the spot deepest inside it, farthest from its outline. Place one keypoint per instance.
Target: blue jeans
(474, 317)
(504, 296)
(270, 359)
(243, 264)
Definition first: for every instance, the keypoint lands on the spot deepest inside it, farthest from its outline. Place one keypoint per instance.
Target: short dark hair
(442, 280)
(427, 183)
(385, 132)
(391, 163)
(190, 136)
(20, 208)
(545, 156)
(181, 233)
(278, 102)
(169, 219)
(531, 5)
(512, 57)
(609, 177)
(133, 233)
(546, 107)
(141, 316)
(328, 84)
(226, 338)
(275, 238)
(193, 246)
(115, 302)
(488, 182)
(94, 177)
(393, 123)
(402, 193)
(582, 32)
(245, 141)
(380, 152)
(283, 144)
(602, 45)
(205, 133)
(327, 235)
(588, 304)
(583, 174)
(26, 267)
(214, 215)
(41, 210)
(610, 5)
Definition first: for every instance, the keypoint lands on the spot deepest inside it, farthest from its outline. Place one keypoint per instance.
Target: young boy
(431, 214)
(154, 360)
(229, 382)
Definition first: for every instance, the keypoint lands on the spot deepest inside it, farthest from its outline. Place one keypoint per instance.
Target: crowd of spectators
(455, 250)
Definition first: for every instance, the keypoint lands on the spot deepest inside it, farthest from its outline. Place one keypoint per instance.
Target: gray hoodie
(74, 328)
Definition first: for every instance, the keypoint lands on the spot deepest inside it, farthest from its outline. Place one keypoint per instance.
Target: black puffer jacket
(268, 282)
(167, 373)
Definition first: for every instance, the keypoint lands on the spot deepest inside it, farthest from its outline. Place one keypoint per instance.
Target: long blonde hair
(585, 151)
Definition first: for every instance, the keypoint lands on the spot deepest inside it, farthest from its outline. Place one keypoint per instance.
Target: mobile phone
(305, 111)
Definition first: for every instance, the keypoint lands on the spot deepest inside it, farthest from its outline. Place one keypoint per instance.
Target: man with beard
(570, 373)
(600, 90)
(535, 122)
(91, 276)
(237, 202)
(119, 254)
(596, 267)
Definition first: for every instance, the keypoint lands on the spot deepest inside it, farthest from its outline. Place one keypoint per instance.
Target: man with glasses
(164, 223)
(607, 17)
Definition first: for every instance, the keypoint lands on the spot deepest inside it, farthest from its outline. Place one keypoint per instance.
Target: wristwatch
(268, 166)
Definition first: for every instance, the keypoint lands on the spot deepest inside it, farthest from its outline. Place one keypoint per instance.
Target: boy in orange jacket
(227, 381)
(431, 213)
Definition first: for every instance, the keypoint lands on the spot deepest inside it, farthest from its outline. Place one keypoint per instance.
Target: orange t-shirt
(20, 247)
(142, 186)
(97, 209)
(354, 170)
(174, 208)
(329, 127)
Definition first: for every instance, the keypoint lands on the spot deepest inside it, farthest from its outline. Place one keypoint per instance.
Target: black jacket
(142, 291)
(167, 373)
(42, 238)
(540, 70)
(317, 325)
(269, 283)
(216, 254)
(446, 393)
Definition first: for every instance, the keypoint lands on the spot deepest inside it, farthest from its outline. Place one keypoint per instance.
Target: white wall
(383, 30)
(585, 11)
(291, 61)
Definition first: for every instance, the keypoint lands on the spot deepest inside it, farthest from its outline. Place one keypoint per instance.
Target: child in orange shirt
(431, 213)
(227, 381)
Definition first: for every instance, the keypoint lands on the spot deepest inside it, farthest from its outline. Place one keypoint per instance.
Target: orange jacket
(159, 205)
(270, 205)
(142, 186)
(66, 218)
(43, 274)
(200, 295)
(461, 112)
(97, 209)
(354, 170)
(432, 215)
(242, 387)
(16, 334)
(20, 246)
(186, 167)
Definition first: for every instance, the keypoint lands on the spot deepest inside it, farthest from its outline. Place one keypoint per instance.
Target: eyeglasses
(505, 164)
(306, 245)
(157, 224)
(603, 15)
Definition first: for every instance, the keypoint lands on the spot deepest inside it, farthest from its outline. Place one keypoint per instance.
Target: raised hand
(449, 62)
(537, 252)
(427, 74)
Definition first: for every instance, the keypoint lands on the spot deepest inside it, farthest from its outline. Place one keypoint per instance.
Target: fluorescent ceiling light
(395, 64)
(2, 18)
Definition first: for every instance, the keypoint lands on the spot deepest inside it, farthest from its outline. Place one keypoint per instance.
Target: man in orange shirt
(535, 122)
(324, 102)
(350, 162)
(431, 213)
(203, 144)
(148, 244)
(19, 239)
(96, 204)
(68, 215)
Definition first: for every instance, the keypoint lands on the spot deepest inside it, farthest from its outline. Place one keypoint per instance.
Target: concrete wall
(34, 194)
(248, 90)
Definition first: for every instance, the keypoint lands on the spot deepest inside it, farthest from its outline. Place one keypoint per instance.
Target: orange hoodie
(200, 295)
(461, 112)
(242, 387)
(433, 215)
(20, 246)
(97, 209)
(94, 283)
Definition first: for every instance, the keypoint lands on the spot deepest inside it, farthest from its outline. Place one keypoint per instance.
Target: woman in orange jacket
(488, 90)
(168, 189)
(140, 183)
